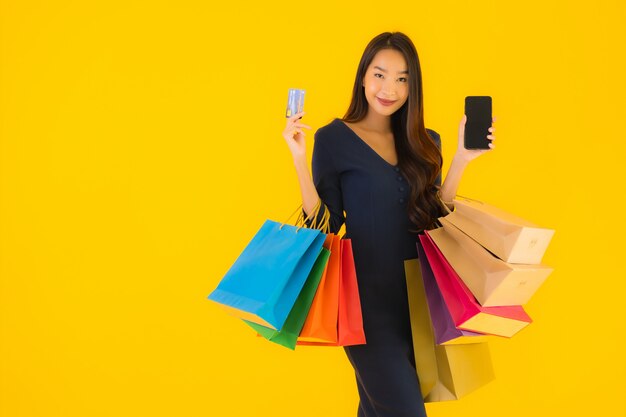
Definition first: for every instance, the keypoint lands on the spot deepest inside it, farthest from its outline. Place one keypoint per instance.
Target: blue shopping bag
(264, 282)
(288, 336)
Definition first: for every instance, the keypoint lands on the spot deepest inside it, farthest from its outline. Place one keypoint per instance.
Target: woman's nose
(389, 90)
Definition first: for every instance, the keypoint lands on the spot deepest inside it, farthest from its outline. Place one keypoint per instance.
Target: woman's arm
(453, 179)
(294, 136)
(323, 188)
(461, 158)
(310, 197)
(326, 185)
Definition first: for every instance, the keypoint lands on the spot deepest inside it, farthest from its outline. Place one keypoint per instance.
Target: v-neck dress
(351, 176)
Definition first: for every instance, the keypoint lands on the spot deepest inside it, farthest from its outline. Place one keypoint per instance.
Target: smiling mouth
(386, 101)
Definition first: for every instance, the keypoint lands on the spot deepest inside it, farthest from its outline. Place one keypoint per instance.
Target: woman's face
(386, 78)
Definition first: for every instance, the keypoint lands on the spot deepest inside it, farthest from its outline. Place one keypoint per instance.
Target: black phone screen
(478, 112)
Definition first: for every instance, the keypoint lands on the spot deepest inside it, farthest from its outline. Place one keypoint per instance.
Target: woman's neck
(376, 122)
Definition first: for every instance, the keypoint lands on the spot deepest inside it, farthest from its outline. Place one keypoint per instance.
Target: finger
(302, 125)
(292, 131)
(296, 118)
(298, 115)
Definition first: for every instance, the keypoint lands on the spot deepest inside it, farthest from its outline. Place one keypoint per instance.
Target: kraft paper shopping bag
(492, 281)
(445, 372)
(509, 237)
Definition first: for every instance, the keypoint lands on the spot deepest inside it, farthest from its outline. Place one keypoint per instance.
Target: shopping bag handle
(443, 203)
(452, 202)
(471, 199)
(324, 225)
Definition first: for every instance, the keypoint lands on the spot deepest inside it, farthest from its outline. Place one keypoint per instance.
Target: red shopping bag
(465, 310)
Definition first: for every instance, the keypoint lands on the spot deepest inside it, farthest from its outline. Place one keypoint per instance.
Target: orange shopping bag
(349, 319)
(321, 322)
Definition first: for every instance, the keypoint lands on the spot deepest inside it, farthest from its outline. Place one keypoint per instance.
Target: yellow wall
(141, 149)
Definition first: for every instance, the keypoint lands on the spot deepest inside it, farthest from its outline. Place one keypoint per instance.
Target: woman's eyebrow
(384, 70)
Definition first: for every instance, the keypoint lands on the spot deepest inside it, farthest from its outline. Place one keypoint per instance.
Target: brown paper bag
(445, 372)
(492, 281)
(510, 238)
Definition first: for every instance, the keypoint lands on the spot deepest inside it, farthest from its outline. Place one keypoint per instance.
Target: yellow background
(141, 150)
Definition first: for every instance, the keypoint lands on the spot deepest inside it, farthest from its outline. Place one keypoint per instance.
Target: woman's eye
(401, 78)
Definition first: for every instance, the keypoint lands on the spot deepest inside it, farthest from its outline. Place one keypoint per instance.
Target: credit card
(295, 101)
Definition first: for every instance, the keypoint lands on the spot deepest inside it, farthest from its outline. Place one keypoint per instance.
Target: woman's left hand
(467, 155)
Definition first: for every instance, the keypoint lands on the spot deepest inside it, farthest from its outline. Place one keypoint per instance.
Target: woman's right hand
(294, 135)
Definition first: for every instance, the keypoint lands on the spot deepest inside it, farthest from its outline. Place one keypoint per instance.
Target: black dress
(349, 175)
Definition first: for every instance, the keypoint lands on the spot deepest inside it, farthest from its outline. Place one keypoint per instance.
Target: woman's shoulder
(435, 136)
(433, 133)
(330, 134)
(330, 127)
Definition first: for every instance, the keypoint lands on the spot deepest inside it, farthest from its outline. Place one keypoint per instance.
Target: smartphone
(295, 102)
(479, 120)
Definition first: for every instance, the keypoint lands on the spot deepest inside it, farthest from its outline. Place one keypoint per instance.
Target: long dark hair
(419, 157)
